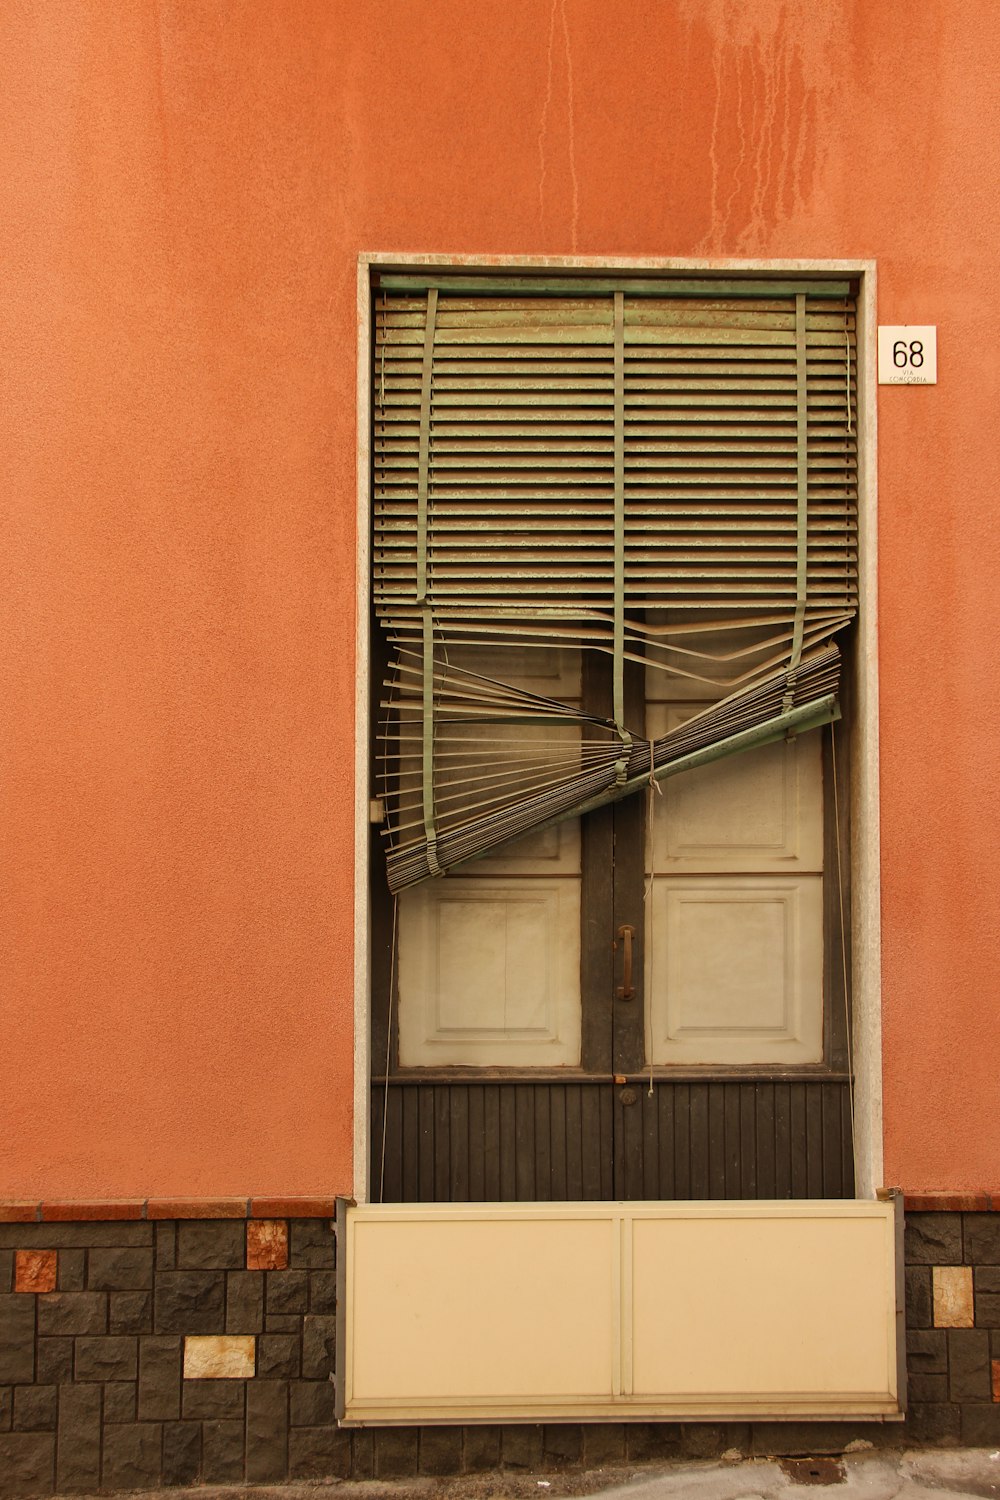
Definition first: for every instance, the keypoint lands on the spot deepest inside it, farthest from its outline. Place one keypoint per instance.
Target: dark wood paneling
(525, 1142)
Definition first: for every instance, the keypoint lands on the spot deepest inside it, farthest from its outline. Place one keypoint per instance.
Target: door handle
(626, 990)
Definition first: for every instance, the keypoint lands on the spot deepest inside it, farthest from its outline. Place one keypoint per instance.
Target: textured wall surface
(100, 1388)
(184, 188)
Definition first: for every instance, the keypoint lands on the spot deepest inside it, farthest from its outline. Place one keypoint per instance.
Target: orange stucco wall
(184, 188)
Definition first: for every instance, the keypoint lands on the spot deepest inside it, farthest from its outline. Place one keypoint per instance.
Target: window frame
(864, 851)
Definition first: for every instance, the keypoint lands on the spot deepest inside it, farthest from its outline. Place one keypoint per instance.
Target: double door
(639, 1003)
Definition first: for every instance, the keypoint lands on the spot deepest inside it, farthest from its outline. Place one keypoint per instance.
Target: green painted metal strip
(548, 286)
(796, 721)
(619, 481)
(618, 644)
(802, 480)
(423, 472)
(424, 446)
(427, 755)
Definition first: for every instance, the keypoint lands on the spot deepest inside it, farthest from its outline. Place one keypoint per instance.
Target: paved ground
(917, 1475)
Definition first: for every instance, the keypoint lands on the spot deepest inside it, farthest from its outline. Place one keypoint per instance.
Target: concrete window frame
(865, 858)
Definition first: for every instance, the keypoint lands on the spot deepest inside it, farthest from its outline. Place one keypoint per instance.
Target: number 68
(911, 354)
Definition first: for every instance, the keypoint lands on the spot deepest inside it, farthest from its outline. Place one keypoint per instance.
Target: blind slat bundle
(664, 476)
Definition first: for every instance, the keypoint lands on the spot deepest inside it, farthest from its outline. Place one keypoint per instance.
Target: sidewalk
(932, 1473)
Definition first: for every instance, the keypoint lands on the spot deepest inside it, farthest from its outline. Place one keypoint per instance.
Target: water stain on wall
(771, 90)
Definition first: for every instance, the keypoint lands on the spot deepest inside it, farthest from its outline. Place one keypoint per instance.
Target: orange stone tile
(35, 1271)
(196, 1208)
(267, 1245)
(952, 1203)
(16, 1211)
(98, 1209)
(995, 1372)
(293, 1208)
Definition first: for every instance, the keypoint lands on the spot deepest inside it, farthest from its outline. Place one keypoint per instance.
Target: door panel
(488, 1141)
(489, 973)
(516, 1071)
(735, 970)
(760, 810)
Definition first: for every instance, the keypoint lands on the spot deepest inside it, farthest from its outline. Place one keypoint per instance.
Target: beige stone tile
(953, 1304)
(219, 1357)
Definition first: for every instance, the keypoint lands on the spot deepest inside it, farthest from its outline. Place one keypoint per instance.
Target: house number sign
(907, 354)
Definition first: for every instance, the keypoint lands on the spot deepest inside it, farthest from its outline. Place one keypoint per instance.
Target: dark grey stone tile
(968, 1365)
(159, 1379)
(919, 1298)
(244, 1302)
(166, 1246)
(323, 1291)
(277, 1356)
(132, 1457)
(26, 1462)
(6, 1272)
(73, 1313)
(520, 1446)
(17, 1338)
(927, 1388)
(793, 1439)
(927, 1351)
(78, 1453)
(312, 1402)
(71, 1271)
(319, 1340)
(481, 1449)
(982, 1239)
(6, 1407)
(651, 1440)
(72, 1236)
(286, 1292)
(934, 1239)
(222, 1452)
(211, 1245)
(181, 1452)
(54, 1361)
(312, 1245)
(363, 1453)
(120, 1401)
(119, 1269)
(562, 1446)
(603, 1443)
(267, 1431)
(106, 1359)
(987, 1309)
(190, 1302)
(325, 1452)
(284, 1323)
(440, 1450)
(35, 1408)
(981, 1425)
(130, 1312)
(704, 1440)
(935, 1424)
(215, 1400)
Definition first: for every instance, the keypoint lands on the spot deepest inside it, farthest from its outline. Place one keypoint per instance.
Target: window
(614, 544)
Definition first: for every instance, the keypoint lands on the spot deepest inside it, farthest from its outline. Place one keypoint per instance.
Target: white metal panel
(442, 1282)
(490, 1312)
(774, 1326)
